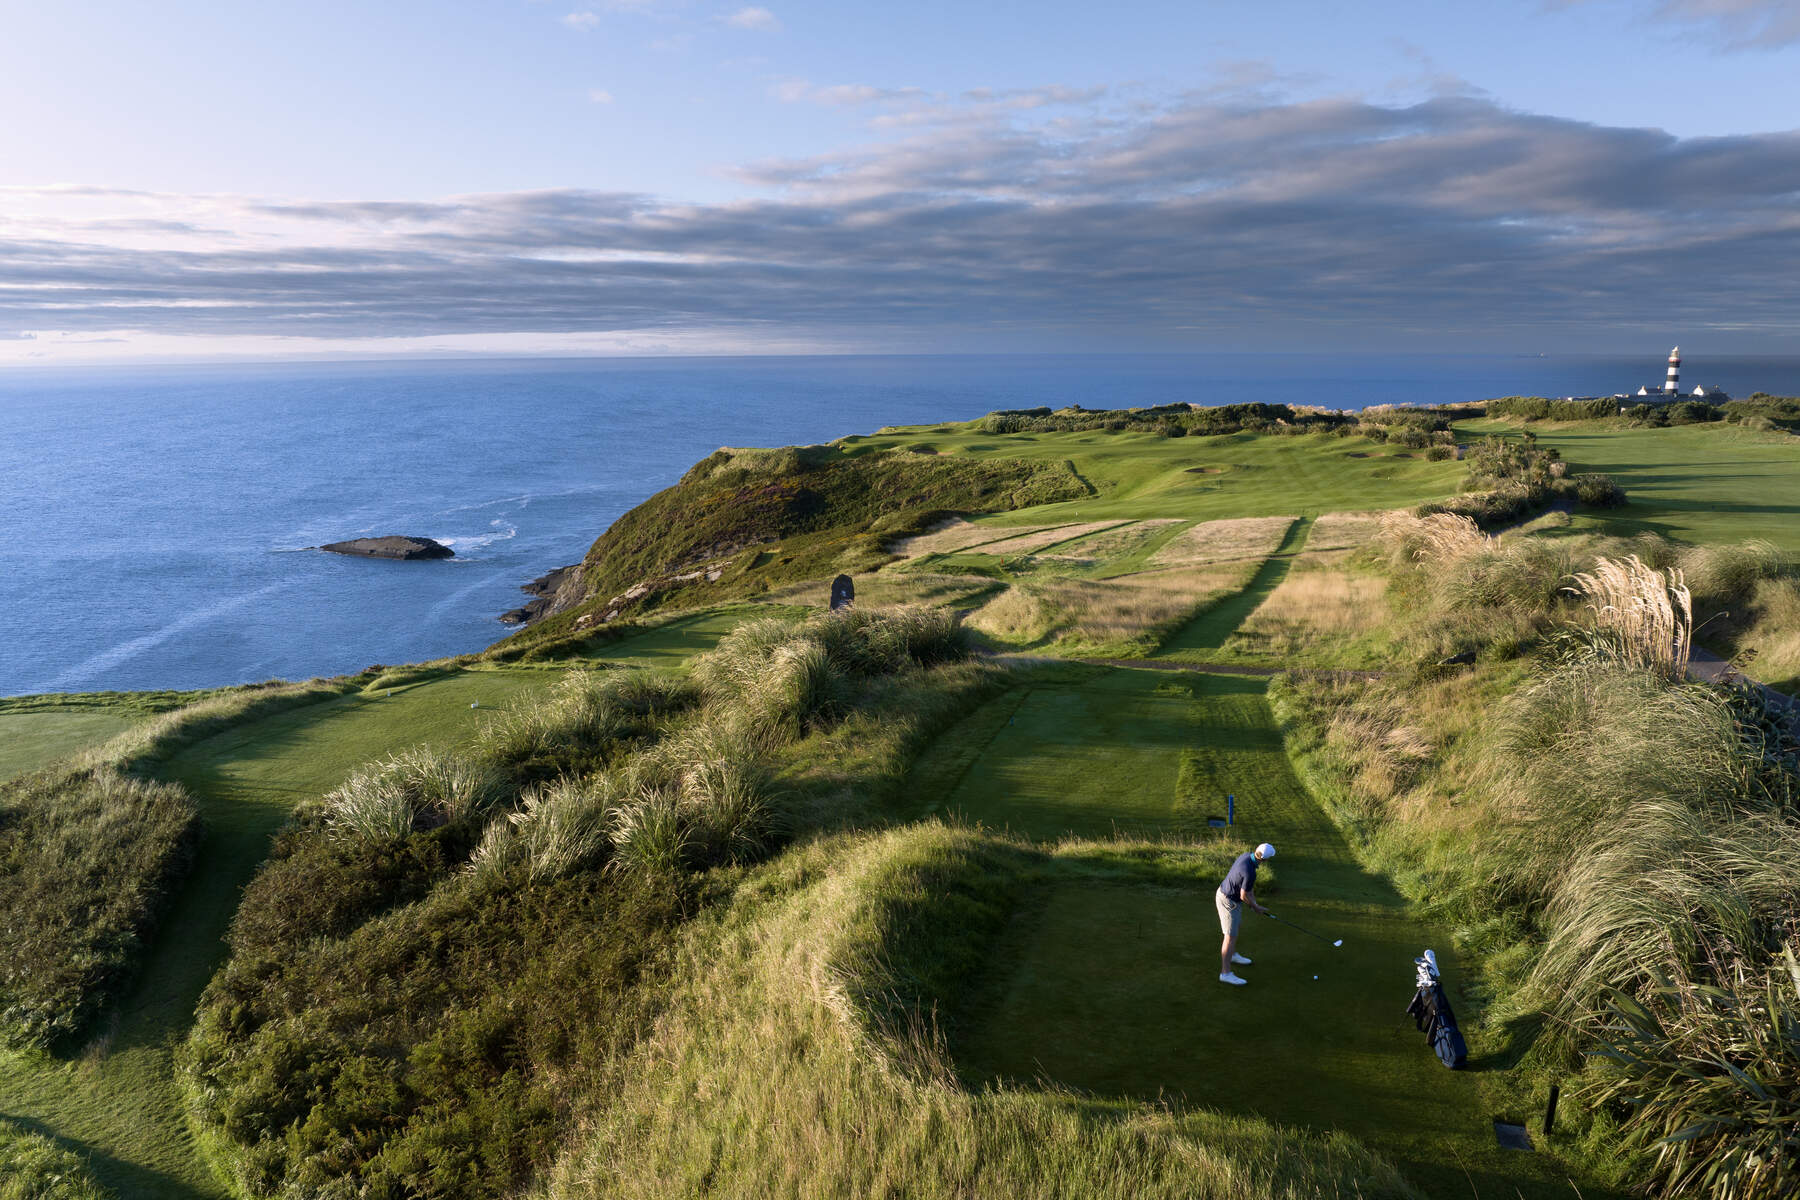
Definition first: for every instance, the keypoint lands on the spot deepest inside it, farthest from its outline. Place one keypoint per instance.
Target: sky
(190, 179)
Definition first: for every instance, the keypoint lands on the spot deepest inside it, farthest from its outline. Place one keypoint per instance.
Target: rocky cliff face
(404, 548)
(559, 591)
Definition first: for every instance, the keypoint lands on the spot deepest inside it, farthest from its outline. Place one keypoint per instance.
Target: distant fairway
(1202, 478)
(1701, 483)
(1112, 988)
(29, 740)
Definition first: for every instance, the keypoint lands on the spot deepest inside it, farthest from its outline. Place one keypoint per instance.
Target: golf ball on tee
(1315, 976)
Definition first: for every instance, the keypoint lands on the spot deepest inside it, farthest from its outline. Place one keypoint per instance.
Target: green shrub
(1599, 491)
(1709, 1075)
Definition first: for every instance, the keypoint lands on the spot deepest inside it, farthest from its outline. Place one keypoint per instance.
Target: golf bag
(1431, 1012)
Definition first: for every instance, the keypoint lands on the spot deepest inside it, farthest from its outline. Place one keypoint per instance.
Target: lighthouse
(1672, 385)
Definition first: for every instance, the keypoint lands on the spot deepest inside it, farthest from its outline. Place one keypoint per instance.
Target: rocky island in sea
(392, 546)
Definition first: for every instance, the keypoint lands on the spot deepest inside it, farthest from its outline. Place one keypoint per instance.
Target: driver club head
(1339, 942)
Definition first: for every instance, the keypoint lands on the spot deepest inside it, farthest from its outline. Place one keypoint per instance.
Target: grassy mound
(829, 975)
(452, 949)
(741, 521)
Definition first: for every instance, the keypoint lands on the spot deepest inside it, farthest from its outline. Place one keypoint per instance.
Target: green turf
(1113, 989)
(1140, 475)
(1701, 483)
(117, 1102)
(29, 740)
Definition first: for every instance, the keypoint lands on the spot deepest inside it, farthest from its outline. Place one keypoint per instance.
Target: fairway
(1112, 988)
(29, 740)
(1146, 475)
(1707, 484)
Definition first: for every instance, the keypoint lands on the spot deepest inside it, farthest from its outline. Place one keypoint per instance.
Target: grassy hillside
(739, 897)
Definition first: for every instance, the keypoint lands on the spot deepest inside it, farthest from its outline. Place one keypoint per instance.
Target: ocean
(157, 519)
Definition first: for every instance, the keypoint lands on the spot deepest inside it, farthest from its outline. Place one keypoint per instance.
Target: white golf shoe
(1232, 978)
(1240, 960)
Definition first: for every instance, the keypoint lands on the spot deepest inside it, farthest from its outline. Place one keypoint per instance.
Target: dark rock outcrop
(406, 548)
(556, 592)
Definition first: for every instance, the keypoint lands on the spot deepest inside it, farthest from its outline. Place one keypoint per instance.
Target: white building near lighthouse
(1671, 385)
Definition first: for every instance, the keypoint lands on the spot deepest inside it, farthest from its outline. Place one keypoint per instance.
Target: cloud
(600, 96)
(842, 95)
(1728, 24)
(753, 18)
(1453, 222)
(582, 22)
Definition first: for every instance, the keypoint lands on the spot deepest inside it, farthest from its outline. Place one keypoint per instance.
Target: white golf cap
(1265, 851)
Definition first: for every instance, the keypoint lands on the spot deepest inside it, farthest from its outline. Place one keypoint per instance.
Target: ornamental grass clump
(1650, 611)
(414, 790)
(559, 828)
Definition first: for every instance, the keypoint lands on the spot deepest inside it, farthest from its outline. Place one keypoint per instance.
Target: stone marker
(843, 593)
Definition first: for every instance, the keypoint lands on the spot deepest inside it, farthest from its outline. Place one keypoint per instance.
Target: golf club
(1303, 929)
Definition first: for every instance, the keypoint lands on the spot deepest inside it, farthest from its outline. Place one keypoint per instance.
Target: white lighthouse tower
(1672, 385)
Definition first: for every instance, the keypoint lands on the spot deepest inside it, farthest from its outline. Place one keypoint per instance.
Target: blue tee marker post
(1230, 809)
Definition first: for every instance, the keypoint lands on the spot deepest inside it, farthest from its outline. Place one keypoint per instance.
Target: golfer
(1238, 890)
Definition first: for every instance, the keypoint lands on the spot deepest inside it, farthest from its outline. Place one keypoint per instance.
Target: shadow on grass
(1208, 631)
(124, 1178)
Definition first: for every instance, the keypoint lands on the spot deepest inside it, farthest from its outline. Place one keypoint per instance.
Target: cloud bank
(1452, 223)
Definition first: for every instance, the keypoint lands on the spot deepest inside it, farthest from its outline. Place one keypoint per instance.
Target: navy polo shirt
(1241, 875)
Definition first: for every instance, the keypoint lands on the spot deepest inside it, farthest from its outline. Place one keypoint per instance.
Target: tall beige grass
(958, 535)
(1118, 542)
(1224, 541)
(1321, 601)
(1037, 540)
(1651, 612)
(1124, 615)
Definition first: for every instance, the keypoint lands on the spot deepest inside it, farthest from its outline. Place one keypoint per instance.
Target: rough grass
(1223, 541)
(32, 1167)
(1315, 614)
(1026, 543)
(418, 1010)
(1614, 832)
(1127, 617)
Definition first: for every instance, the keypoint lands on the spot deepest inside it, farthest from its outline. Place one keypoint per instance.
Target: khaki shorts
(1231, 913)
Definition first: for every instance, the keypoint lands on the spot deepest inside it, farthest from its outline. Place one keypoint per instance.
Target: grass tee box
(1111, 986)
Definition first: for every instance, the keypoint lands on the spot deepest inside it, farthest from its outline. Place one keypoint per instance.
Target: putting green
(1113, 988)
